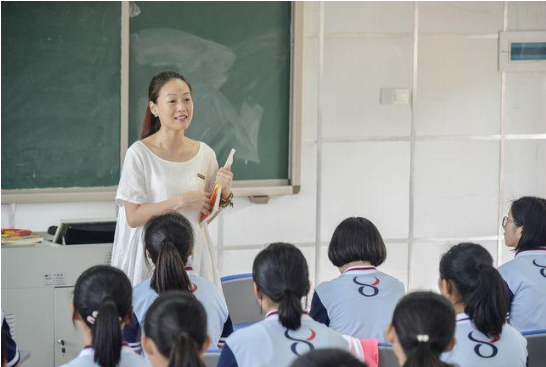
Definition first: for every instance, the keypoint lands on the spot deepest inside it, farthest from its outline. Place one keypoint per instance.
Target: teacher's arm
(138, 214)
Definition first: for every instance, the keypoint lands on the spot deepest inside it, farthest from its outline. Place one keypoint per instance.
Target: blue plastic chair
(243, 307)
(211, 357)
(536, 347)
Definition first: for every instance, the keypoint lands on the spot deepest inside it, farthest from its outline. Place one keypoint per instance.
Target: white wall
(454, 192)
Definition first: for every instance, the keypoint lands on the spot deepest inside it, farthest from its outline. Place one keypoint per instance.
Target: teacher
(166, 171)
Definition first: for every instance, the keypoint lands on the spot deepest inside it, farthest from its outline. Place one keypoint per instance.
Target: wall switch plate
(395, 96)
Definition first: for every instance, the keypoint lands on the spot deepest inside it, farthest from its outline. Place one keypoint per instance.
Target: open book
(14, 236)
(216, 195)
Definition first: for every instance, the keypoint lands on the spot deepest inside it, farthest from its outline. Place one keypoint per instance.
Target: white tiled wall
(369, 46)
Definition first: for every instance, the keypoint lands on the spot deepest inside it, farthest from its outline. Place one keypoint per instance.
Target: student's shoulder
(329, 284)
(509, 266)
(205, 287)
(142, 289)
(393, 280)
(254, 333)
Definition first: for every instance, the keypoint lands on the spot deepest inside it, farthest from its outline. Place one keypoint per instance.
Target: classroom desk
(37, 288)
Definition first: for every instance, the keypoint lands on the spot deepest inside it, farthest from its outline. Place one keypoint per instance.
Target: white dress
(147, 178)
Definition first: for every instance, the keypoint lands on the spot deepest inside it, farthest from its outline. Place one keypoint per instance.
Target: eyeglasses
(505, 221)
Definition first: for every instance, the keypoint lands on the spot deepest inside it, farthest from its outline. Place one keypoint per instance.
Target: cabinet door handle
(60, 342)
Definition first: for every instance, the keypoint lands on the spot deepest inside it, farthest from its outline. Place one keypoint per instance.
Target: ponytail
(425, 325)
(150, 124)
(290, 310)
(102, 299)
(106, 334)
(423, 356)
(185, 352)
(170, 273)
(486, 305)
(177, 324)
(280, 272)
(469, 268)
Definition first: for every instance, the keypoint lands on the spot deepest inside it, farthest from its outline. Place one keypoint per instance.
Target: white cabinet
(37, 290)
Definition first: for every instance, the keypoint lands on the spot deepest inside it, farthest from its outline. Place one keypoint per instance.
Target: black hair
(169, 240)
(469, 268)
(280, 272)
(425, 325)
(177, 323)
(328, 357)
(529, 212)
(356, 239)
(4, 350)
(102, 299)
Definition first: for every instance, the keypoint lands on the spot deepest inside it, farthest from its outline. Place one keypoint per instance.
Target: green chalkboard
(61, 65)
(236, 55)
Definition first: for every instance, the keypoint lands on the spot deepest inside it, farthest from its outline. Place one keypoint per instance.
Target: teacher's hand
(224, 179)
(197, 200)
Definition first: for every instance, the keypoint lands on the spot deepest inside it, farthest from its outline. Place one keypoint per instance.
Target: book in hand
(14, 236)
(215, 197)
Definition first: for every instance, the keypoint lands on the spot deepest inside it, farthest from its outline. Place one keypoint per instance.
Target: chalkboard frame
(251, 188)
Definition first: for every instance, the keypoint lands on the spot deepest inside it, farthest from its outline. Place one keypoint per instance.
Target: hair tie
(92, 317)
(422, 338)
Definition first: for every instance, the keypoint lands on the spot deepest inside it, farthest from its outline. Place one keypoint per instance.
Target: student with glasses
(525, 232)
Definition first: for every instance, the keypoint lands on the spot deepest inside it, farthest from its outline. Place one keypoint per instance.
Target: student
(10, 355)
(359, 302)
(169, 242)
(175, 331)
(281, 279)
(525, 232)
(327, 358)
(422, 328)
(102, 306)
(478, 294)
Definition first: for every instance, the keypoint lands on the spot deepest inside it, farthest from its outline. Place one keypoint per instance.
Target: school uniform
(475, 349)
(526, 279)
(218, 321)
(12, 356)
(268, 343)
(128, 359)
(360, 302)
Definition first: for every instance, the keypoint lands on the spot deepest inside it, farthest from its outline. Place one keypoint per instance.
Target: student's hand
(224, 179)
(197, 200)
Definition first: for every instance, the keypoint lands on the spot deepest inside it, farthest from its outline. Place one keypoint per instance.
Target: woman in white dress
(166, 171)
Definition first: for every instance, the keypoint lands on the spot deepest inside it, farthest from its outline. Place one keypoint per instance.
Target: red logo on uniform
(193, 287)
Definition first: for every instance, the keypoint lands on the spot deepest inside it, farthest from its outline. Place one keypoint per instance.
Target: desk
(37, 287)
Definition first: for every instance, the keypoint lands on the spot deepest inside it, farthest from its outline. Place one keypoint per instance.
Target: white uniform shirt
(360, 302)
(128, 359)
(475, 349)
(207, 293)
(526, 278)
(268, 343)
(147, 178)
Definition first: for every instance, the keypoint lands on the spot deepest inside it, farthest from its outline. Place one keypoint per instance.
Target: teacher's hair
(151, 124)
(102, 300)
(469, 268)
(280, 272)
(168, 238)
(177, 323)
